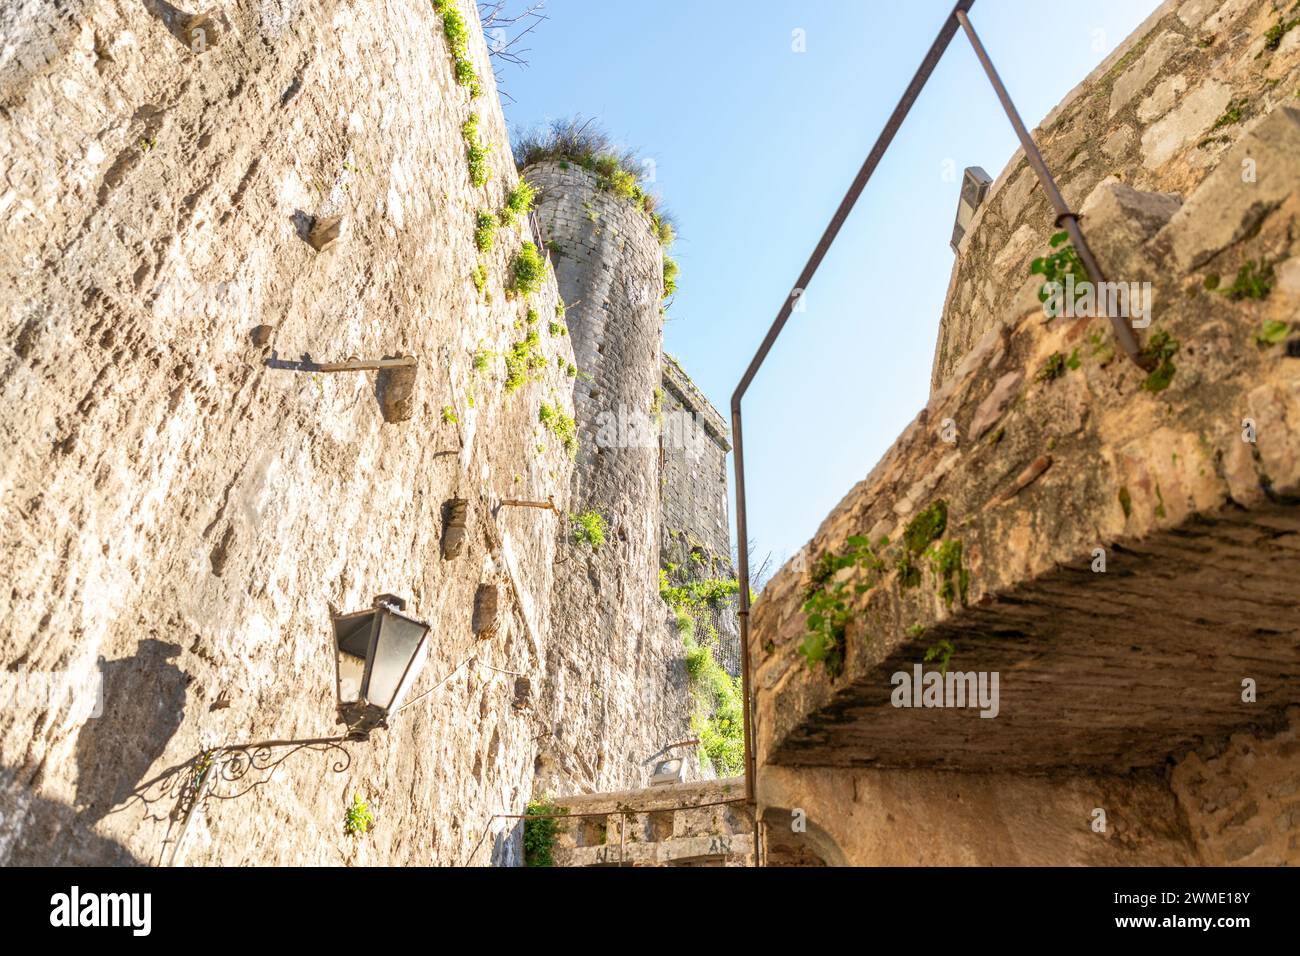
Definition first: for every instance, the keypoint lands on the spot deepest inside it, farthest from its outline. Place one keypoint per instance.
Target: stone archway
(783, 845)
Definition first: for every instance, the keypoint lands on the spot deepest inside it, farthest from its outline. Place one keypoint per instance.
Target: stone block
(1136, 78)
(1192, 119)
(1230, 203)
(1117, 220)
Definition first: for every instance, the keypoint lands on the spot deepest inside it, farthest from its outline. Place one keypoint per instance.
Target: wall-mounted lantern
(668, 771)
(379, 654)
(974, 187)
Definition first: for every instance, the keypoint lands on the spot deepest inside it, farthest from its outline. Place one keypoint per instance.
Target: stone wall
(694, 477)
(1157, 114)
(182, 512)
(691, 824)
(1241, 797)
(940, 818)
(696, 529)
(1117, 541)
(617, 687)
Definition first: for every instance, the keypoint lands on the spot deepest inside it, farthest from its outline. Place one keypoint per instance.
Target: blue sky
(754, 145)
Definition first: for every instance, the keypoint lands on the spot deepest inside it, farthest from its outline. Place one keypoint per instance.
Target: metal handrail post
(1064, 216)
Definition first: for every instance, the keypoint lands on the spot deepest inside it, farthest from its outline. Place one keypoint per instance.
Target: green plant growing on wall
(1254, 281)
(481, 359)
(541, 823)
(670, 275)
(556, 330)
(826, 602)
(664, 230)
(524, 362)
(1273, 332)
(927, 525)
(578, 142)
(589, 528)
(457, 34)
(560, 425)
(909, 575)
(527, 270)
(357, 818)
(1158, 355)
(518, 203)
(1056, 266)
(1052, 369)
(684, 621)
(476, 151)
(941, 652)
(1232, 115)
(696, 595)
(449, 415)
(480, 277)
(945, 559)
(571, 370)
(485, 227)
(697, 659)
(1274, 34)
(718, 717)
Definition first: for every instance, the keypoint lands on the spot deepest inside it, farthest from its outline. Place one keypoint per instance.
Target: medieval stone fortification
(1118, 544)
(198, 211)
(186, 500)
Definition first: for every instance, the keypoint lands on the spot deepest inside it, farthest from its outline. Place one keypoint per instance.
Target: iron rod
(1064, 216)
(905, 102)
(367, 365)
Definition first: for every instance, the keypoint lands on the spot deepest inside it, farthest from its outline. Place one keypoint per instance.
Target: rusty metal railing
(1065, 218)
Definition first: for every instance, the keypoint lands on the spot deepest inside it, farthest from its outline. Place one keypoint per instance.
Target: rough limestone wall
(1241, 799)
(616, 686)
(184, 516)
(940, 818)
(1158, 114)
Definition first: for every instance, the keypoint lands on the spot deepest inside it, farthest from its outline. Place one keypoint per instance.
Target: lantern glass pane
(352, 634)
(411, 674)
(399, 642)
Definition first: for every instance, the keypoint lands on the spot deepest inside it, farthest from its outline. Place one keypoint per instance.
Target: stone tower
(617, 688)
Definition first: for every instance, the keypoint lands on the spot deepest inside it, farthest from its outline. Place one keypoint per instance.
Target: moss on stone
(1158, 355)
(953, 579)
(925, 527)
(909, 575)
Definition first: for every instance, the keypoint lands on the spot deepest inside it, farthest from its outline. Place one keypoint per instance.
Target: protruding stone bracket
(456, 513)
(325, 232)
(489, 604)
(202, 31)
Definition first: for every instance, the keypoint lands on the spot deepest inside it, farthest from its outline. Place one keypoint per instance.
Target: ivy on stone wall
(717, 719)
